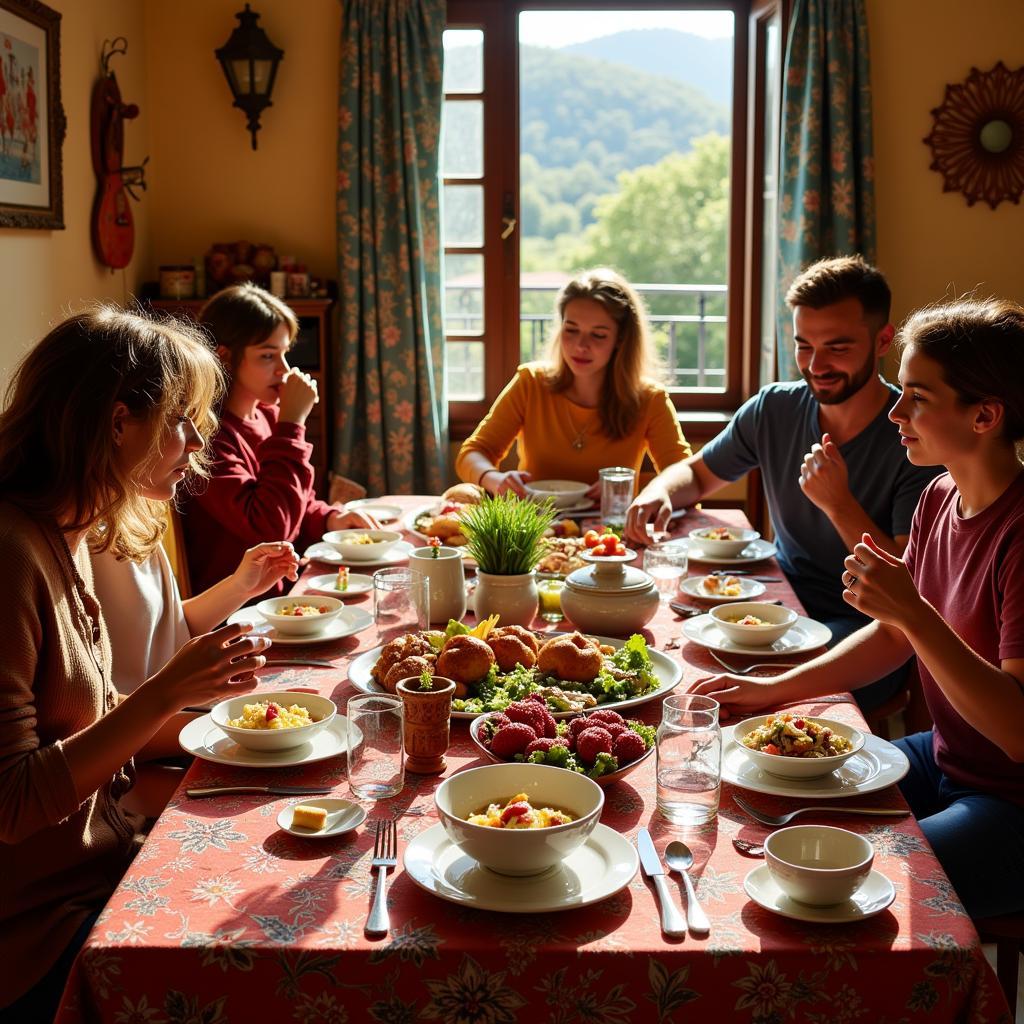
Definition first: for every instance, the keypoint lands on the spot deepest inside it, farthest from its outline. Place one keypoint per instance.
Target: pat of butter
(305, 816)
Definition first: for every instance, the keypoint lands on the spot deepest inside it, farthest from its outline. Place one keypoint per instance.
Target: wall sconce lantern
(250, 60)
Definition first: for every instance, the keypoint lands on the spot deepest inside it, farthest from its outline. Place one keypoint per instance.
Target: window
(625, 144)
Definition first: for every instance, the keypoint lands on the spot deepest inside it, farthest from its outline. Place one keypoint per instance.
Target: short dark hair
(980, 346)
(245, 315)
(836, 278)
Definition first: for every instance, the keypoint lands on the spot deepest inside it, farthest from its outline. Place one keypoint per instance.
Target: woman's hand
(497, 482)
(651, 507)
(210, 668)
(263, 565)
(738, 695)
(343, 519)
(880, 585)
(298, 396)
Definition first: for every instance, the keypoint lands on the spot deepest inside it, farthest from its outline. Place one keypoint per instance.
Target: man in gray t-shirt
(833, 465)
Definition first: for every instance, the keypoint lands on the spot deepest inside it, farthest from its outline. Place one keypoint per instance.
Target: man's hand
(651, 507)
(738, 695)
(824, 478)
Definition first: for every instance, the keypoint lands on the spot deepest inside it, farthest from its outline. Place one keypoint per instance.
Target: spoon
(749, 849)
(679, 858)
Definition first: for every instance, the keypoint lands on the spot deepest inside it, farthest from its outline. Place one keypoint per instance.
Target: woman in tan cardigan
(103, 419)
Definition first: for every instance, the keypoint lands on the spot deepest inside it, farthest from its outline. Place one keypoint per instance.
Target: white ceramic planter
(513, 598)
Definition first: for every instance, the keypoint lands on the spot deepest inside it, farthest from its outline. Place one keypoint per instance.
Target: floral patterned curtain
(827, 191)
(391, 431)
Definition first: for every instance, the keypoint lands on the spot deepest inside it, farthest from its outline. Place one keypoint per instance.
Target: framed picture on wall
(32, 120)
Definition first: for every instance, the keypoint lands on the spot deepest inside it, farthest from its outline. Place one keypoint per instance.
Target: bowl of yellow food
(753, 623)
(518, 819)
(794, 746)
(722, 541)
(362, 545)
(302, 615)
(275, 720)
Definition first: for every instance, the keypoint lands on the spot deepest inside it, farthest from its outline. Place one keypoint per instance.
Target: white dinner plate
(877, 765)
(750, 590)
(357, 584)
(201, 738)
(380, 511)
(755, 551)
(603, 865)
(342, 816)
(350, 621)
(395, 555)
(805, 635)
(668, 671)
(874, 895)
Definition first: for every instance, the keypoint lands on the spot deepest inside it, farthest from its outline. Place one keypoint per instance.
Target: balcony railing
(687, 323)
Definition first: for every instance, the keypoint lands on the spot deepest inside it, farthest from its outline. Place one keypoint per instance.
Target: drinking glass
(376, 752)
(401, 602)
(616, 496)
(666, 563)
(689, 759)
(550, 592)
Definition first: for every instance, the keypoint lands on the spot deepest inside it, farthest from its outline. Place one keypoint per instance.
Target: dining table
(225, 917)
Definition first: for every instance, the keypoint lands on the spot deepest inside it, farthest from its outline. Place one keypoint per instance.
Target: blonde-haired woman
(102, 420)
(594, 403)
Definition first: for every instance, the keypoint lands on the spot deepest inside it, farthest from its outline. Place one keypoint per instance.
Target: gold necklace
(579, 441)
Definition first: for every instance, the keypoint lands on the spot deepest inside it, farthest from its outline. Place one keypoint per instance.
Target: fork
(385, 855)
(750, 668)
(775, 820)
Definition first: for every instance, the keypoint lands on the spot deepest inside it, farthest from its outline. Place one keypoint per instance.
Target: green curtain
(827, 191)
(391, 428)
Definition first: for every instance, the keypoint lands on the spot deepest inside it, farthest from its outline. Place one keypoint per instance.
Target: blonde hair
(632, 362)
(57, 451)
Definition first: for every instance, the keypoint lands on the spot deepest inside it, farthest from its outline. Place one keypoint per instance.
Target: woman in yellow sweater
(593, 404)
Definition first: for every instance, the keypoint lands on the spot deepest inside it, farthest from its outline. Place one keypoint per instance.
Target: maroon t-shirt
(260, 489)
(972, 571)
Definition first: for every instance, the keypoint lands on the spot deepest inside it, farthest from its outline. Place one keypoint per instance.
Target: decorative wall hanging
(113, 231)
(977, 139)
(32, 122)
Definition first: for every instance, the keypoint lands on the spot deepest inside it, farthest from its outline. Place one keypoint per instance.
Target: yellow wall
(45, 273)
(930, 243)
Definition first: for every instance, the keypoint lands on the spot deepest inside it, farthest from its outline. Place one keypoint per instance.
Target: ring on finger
(851, 582)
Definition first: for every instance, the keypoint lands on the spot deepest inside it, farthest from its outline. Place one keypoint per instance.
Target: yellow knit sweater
(546, 424)
(59, 859)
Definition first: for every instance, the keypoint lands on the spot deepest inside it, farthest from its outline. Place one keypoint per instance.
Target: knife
(672, 921)
(275, 790)
(745, 572)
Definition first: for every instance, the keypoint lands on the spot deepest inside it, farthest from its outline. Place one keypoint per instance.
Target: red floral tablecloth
(224, 918)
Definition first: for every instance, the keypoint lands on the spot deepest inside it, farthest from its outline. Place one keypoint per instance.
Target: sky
(562, 28)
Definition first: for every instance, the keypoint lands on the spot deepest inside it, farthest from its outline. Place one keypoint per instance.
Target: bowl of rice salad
(273, 720)
(302, 615)
(794, 746)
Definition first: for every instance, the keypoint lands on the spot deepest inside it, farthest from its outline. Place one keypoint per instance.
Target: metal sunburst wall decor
(977, 136)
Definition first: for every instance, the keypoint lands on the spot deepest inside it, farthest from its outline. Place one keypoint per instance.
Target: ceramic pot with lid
(609, 597)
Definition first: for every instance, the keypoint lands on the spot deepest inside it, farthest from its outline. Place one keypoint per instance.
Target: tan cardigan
(59, 859)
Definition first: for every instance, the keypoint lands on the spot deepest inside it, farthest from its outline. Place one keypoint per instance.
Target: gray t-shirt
(773, 431)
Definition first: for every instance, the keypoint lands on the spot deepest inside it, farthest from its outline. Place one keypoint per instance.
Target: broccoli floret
(604, 764)
(647, 733)
(558, 756)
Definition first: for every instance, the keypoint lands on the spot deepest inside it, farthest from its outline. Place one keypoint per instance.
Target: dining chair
(878, 719)
(1007, 933)
(174, 545)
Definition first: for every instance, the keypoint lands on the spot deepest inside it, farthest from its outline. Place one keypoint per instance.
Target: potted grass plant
(505, 536)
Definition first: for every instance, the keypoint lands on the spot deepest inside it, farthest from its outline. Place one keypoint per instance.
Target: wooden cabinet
(310, 353)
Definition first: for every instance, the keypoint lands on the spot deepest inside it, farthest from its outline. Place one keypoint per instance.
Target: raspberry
(577, 725)
(528, 712)
(607, 717)
(543, 743)
(615, 729)
(550, 725)
(592, 741)
(512, 739)
(628, 747)
(490, 725)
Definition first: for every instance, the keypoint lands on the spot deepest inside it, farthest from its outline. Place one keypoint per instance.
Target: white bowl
(723, 548)
(321, 710)
(343, 541)
(518, 851)
(818, 864)
(300, 625)
(778, 621)
(563, 492)
(798, 767)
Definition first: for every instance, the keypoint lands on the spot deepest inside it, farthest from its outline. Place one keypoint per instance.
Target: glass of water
(689, 759)
(376, 751)
(666, 563)
(616, 495)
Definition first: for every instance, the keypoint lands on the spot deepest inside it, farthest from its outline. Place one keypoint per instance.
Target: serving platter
(668, 672)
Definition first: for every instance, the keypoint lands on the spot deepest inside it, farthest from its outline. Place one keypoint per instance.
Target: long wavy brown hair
(57, 451)
(632, 364)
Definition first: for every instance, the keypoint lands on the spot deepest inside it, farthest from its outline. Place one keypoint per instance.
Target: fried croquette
(572, 657)
(513, 645)
(465, 659)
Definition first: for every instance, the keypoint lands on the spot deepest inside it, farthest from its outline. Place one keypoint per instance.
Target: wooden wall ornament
(113, 230)
(977, 136)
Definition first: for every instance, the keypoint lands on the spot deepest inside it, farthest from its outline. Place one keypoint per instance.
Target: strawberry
(592, 741)
(628, 747)
(527, 711)
(517, 810)
(544, 743)
(606, 717)
(273, 711)
(512, 739)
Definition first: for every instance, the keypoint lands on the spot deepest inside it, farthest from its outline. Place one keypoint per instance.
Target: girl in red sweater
(261, 479)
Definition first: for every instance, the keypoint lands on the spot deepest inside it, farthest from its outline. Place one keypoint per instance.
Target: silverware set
(679, 859)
